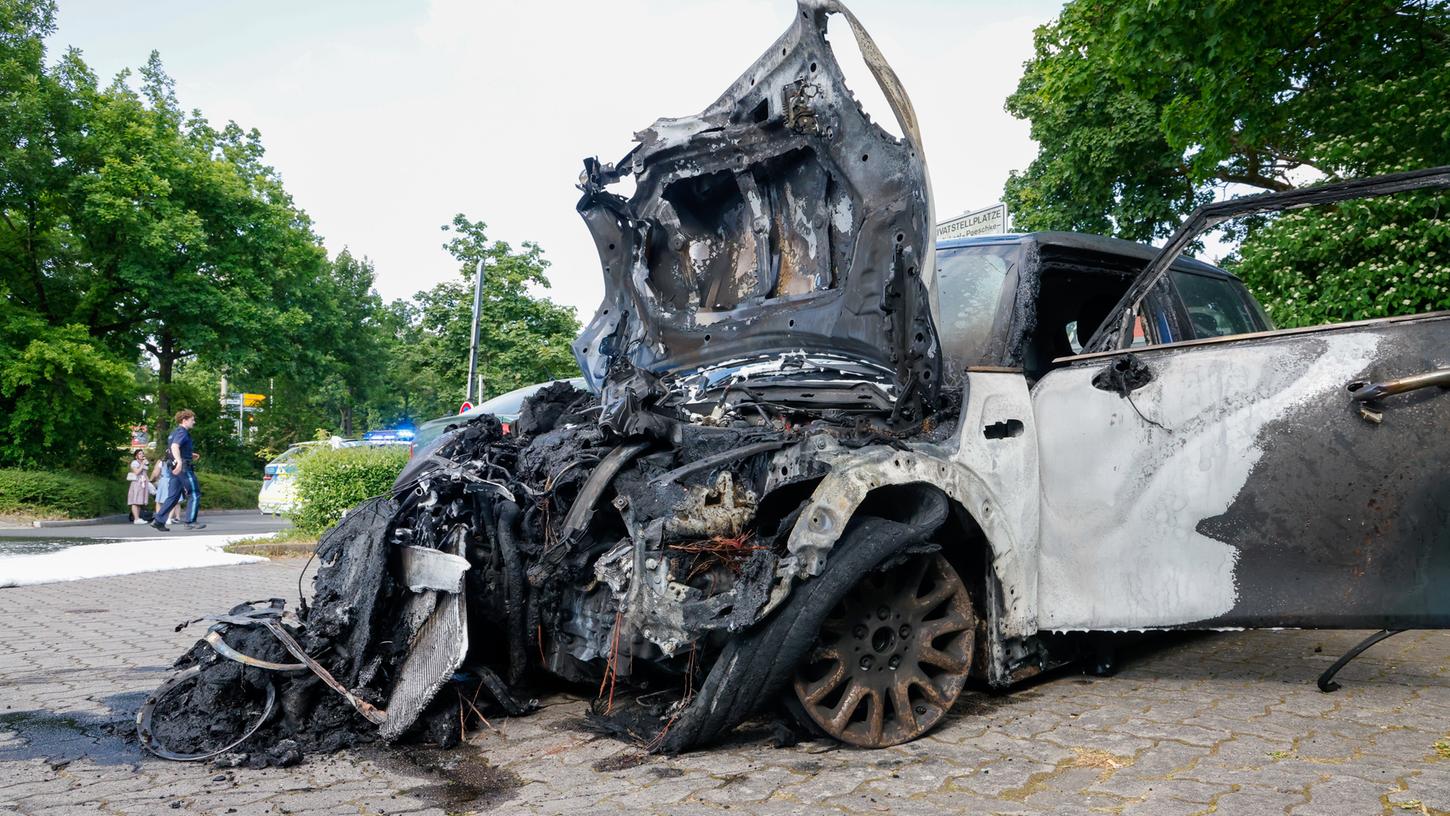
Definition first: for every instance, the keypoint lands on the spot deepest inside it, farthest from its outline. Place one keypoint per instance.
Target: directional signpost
(245, 404)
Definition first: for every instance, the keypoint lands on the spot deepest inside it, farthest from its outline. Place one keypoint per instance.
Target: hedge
(331, 481)
(220, 491)
(66, 494)
(59, 493)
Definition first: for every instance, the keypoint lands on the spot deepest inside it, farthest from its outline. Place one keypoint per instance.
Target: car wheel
(892, 657)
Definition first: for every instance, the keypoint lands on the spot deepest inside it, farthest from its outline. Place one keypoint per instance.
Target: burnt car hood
(779, 221)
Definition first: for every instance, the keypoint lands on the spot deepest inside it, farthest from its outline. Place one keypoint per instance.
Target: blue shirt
(180, 437)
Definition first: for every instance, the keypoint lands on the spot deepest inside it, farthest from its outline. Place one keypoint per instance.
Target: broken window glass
(969, 288)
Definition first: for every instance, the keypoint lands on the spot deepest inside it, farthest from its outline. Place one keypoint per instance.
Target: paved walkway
(220, 523)
(1228, 724)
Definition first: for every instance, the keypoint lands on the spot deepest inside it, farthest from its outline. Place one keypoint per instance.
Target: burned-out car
(834, 465)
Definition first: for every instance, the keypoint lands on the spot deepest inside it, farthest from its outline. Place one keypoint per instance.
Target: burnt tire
(755, 668)
(892, 657)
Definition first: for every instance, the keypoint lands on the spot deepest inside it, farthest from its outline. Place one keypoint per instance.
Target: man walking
(179, 457)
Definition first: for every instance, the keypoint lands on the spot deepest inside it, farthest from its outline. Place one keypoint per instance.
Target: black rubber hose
(753, 668)
(513, 582)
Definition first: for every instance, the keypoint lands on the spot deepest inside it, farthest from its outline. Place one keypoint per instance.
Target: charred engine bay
(767, 314)
(627, 567)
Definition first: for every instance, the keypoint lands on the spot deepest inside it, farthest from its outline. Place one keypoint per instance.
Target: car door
(1239, 482)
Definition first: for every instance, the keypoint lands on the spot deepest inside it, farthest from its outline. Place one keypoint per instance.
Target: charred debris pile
(641, 569)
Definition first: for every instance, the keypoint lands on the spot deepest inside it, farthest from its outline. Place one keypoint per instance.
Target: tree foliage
(148, 256)
(523, 339)
(1144, 110)
(63, 397)
(144, 225)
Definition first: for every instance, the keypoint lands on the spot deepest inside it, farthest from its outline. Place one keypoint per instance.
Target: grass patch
(283, 544)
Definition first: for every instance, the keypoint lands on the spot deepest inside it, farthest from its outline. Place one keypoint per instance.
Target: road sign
(246, 402)
(465, 407)
(989, 221)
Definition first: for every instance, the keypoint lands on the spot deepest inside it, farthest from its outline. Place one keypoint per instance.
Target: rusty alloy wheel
(892, 657)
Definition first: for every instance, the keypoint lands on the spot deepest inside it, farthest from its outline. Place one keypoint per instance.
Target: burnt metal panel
(1244, 487)
(779, 220)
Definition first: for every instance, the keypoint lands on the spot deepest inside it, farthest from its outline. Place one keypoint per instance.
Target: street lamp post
(473, 343)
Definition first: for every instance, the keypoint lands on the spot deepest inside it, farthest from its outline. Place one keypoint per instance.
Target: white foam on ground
(120, 558)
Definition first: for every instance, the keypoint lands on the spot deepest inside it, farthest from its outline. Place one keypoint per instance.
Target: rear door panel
(1241, 487)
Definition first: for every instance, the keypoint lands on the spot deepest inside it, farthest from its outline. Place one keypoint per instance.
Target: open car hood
(781, 220)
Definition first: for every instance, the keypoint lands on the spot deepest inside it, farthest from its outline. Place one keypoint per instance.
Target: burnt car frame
(812, 474)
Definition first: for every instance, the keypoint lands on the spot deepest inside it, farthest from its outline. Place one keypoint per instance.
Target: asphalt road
(232, 522)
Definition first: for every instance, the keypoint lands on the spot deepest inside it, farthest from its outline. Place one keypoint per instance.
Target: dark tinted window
(1218, 307)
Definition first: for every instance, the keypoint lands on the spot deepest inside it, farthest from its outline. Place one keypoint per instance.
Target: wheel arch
(977, 539)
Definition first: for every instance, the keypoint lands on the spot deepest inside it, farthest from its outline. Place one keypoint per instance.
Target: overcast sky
(386, 118)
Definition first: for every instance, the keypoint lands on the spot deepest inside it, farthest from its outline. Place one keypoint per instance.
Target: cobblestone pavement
(1227, 723)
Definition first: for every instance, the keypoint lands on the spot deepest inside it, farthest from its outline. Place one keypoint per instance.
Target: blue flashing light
(391, 435)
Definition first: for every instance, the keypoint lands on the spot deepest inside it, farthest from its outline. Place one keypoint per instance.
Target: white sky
(386, 118)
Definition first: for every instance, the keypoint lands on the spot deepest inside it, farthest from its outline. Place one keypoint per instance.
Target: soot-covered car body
(810, 476)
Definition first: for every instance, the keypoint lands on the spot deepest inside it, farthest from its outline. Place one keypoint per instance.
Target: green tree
(123, 214)
(329, 371)
(1144, 110)
(145, 251)
(213, 258)
(64, 399)
(65, 395)
(44, 115)
(524, 338)
(358, 326)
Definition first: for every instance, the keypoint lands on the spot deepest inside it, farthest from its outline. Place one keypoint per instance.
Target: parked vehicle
(278, 495)
(505, 406)
(831, 464)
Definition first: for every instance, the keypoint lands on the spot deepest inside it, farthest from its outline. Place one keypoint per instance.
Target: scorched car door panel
(1239, 483)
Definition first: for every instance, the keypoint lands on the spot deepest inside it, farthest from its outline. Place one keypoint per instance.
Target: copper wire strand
(478, 713)
(611, 673)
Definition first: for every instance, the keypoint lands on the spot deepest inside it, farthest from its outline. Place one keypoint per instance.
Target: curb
(122, 518)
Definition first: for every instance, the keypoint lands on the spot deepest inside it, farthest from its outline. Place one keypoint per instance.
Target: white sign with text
(989, 221)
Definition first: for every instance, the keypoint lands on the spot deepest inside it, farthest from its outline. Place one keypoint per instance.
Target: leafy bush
(52, 493)
(220, 491)
(332, 481)
(1355, 261)
(63, 398)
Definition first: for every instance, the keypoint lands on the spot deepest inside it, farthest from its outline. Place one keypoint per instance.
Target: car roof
(517, 393)
(1086, 242)
(483, 407)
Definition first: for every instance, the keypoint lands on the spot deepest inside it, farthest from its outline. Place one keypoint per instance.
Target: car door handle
(1363, 391)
